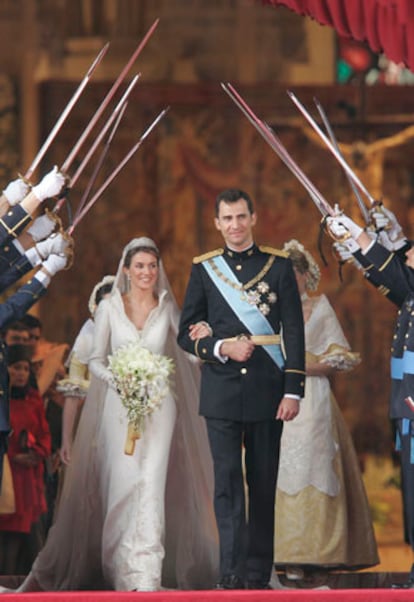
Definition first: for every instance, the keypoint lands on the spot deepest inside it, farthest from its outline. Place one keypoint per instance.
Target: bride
(109, 530)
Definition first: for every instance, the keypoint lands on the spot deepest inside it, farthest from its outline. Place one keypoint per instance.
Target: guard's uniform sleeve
(9, 255)
(13, 223)
(373, 276)
(391, 272)
(18, 304)
(21, 267)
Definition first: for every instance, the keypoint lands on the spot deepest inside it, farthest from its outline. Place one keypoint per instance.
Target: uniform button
(238, 267)
(204, 350)
(243, 371)
(394, 337)
(405, 347)
(7, 249)
(392, 349)
(10, 213)
(302, 384)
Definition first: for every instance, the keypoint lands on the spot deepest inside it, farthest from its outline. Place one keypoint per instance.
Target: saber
(102, 133)
(45, 146)
(115, 172)
(272, 139)
(328, 127)
(116, 111)
(100, 161)
(331, 147)
(69, 159)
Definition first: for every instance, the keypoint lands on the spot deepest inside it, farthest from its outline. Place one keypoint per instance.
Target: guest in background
(16, 333)
(75, 387)
(29, 445)
(322, 515)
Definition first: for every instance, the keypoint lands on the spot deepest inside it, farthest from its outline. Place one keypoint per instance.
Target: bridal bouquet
(141, 379)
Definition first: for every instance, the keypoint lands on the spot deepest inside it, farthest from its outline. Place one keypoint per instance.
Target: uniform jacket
(375, 277)
(251, 390)
(12, 224)
(14, 272)
(398, 278)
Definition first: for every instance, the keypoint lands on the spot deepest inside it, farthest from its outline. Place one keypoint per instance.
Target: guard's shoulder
(208, 255)
(273, 251)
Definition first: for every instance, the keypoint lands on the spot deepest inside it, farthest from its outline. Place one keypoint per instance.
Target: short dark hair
(18, 325)
(232, 195)
(31, 321)
(19, 353)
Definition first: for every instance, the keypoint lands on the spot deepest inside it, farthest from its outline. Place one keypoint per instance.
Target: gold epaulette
(208, 255)
(273, 251)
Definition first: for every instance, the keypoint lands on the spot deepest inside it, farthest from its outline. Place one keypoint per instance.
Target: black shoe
(405, 585)
(409, 584)
(258, 585)
(230, 582)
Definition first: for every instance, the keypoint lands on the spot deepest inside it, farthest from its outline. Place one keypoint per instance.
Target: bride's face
(143, 271)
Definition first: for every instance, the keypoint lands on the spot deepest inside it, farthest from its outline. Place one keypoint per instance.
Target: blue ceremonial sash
(404, 365)
(250, 315)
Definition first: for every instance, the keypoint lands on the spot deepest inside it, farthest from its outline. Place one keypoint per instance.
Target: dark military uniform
(374, 276)
(12, 224)
(240, 399)
(398, 279)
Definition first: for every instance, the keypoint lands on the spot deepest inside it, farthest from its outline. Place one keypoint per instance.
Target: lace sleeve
(77, 382)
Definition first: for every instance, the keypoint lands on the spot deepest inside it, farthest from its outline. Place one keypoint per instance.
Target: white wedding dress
(109, 531)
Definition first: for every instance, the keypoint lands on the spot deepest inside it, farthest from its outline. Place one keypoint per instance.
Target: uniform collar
(241, 254)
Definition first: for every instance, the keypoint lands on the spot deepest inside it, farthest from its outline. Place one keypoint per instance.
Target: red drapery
(386, 25)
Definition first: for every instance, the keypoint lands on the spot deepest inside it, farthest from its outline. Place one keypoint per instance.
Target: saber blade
(115, 172)
(275, 143)
(331, 147)
(100, 161)
(328, 127)
(69, 159)
(102, 133)
(52, 135)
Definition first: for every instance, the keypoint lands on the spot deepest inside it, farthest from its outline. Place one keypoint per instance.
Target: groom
(247, 295)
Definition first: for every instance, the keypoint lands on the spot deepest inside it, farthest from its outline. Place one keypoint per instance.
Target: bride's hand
(200, 330)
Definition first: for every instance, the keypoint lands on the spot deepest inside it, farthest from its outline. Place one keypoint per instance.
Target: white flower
(141, 378)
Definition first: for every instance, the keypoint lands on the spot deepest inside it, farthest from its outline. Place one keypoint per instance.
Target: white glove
(342, 227)
(55, 244)
(16, 191)
(384, 219)
(41, 227)
(54, 263)
(346, 249)
(385, 241)
(50, 185)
